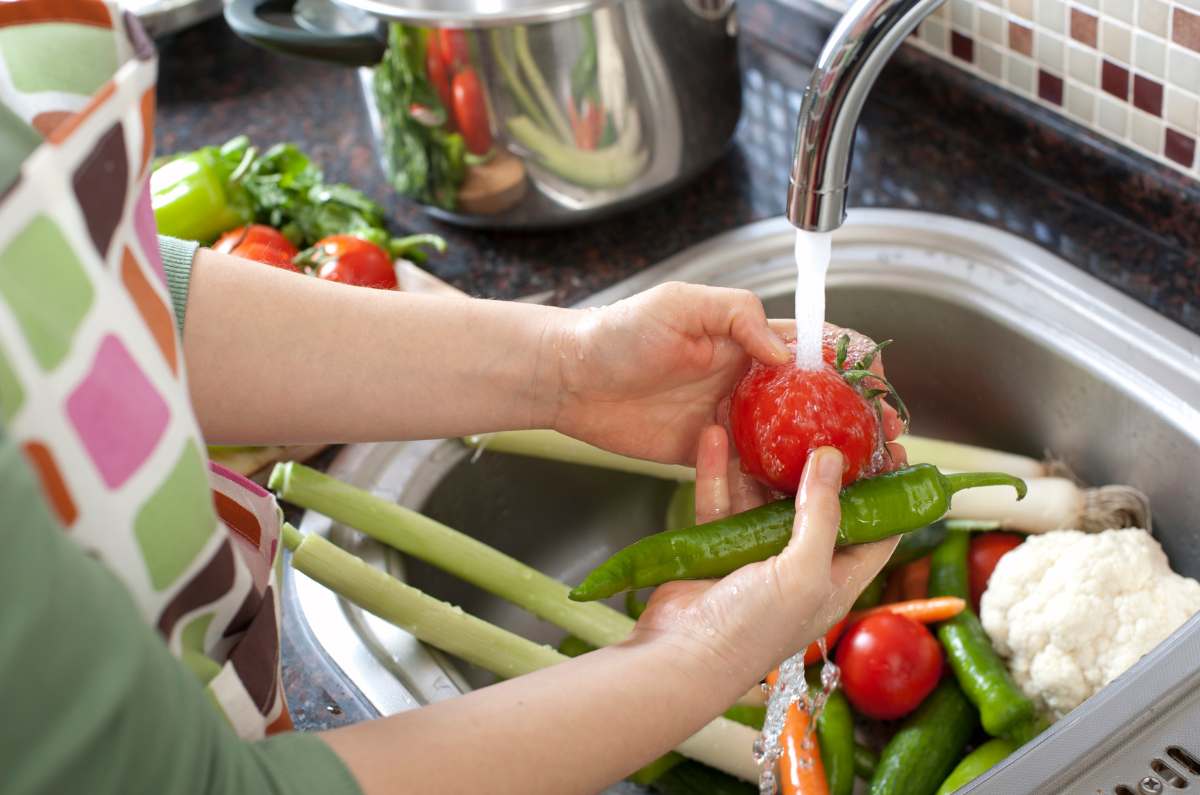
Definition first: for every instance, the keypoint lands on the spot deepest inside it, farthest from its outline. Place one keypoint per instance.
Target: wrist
(553, 344)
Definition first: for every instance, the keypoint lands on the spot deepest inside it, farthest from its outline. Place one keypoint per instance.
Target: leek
(451, 551)
(722, 744)
(1054, 504)
(968, 458)
(555, 446)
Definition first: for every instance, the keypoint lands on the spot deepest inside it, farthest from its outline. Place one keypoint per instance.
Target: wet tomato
(889, 665)
(352, 260)
(454, 49)
(470, 112)
(985, 552)
(259, 243)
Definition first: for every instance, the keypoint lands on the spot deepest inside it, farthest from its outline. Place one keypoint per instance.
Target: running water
(791, 688)
(812, 262)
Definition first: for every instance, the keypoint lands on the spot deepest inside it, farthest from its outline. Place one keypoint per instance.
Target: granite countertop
(931, 139)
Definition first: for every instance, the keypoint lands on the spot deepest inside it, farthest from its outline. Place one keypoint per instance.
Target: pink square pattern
(117, 413)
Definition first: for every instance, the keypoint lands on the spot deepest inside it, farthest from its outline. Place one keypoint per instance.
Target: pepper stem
(969, 480)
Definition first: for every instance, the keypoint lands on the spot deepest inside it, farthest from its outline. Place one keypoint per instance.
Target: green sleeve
(94, 702)
(177, 256)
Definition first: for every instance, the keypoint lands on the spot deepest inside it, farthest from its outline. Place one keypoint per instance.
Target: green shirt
(93, 701)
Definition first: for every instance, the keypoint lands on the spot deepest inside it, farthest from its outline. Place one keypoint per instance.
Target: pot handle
(246, 18)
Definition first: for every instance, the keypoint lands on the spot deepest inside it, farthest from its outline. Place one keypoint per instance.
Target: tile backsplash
(1126, 69)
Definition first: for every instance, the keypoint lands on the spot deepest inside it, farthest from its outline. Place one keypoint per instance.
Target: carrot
(813, 653)
(801, 771)
(926, 611)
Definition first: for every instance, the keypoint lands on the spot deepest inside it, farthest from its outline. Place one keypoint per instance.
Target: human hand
(645, 375)
(748, 622)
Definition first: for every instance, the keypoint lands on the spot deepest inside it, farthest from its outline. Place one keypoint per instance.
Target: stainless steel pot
(585, 107)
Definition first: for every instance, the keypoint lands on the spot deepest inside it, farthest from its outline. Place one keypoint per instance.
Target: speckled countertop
(931, 138)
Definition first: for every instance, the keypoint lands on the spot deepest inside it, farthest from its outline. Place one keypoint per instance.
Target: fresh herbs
(425, 162)
(233, 184)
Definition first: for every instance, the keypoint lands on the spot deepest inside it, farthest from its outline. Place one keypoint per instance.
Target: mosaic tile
(1147, 95)
(1085, 27)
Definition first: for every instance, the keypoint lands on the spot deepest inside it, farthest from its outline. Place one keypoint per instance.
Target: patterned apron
(92, 383)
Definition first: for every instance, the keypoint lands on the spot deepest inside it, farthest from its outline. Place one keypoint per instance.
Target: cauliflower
(1072, 611)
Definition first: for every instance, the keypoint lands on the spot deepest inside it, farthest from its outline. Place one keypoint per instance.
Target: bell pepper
(191, 200)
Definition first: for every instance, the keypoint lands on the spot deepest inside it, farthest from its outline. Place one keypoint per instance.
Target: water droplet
(709, 631)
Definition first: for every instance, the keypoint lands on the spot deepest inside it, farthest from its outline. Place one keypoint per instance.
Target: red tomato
(352, 260)
(889, 665)
(438, 74)
(986, 551)
(470, 111)
(780, 414)
(454, 49)
(813, 653)
(259, 243)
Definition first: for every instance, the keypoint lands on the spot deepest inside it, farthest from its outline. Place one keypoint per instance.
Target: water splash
(812, 263)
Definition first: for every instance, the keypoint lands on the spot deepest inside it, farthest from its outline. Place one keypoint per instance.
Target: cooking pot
(526, 113)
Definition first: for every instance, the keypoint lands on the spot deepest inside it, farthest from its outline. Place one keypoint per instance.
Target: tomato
(438, 74)
(986, 551)
(259, 243)
(779, 414)
(454, 48)
(812, 654)
(889, 665)
(352, 260)
(470, 111)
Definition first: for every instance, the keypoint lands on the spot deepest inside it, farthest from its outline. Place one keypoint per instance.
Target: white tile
(1118, 9)
(1116, 40)
(991, 26)
(1153, 16)
(1020, 73)
(1150, 55)
(1080, 103)
(942, 11)
(1182, 110)
(1083, 65)
(962, 14)
(1090, 3)
(1112, 116)
(1052, 14)
(933, 33)
(1049, 51)
(990, 60)
(1193, 4)
(1147, 132)
(1183, 68)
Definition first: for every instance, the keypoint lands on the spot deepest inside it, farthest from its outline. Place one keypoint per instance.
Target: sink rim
(992, 271)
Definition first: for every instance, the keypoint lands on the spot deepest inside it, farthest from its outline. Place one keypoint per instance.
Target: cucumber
(917, 545)
(923, 752)
(976, 763)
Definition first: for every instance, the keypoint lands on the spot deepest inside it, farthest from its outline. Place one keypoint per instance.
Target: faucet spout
(855, 54)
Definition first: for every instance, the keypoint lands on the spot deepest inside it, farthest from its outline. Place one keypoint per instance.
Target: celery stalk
(722, 744)
(452, 551)
(508, 70)
(558, 447)
(611, 167)
(534, 75)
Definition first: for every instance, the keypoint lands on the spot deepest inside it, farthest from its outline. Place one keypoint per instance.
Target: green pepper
(976, 763)
(898, 502)
(1003, 708)
(835, 737)
(189, 199)
(865, 761)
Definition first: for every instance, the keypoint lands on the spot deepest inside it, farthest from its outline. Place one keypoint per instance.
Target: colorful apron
(92, 383)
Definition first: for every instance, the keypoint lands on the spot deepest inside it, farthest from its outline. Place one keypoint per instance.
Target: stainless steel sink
(997, 343)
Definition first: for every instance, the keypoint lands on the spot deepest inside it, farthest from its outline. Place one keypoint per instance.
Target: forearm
(574, 728)
(272, 358)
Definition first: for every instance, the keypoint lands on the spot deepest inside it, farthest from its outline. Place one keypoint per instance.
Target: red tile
(1114, 79)
(1187, 29)
(1020, 38)
(1050, 87)
(962, 47)
(1148, 95)
(1083, 27)
(1180, 148)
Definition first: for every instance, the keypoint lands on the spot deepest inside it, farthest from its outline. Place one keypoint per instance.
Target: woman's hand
(750, 621)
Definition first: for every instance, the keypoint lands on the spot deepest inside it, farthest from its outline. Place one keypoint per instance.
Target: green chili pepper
(835, 738)
(634, 607)
(189, 199)
(872, 509)
(983, 676)
(916, 545)
(572, 646)
(865, 762)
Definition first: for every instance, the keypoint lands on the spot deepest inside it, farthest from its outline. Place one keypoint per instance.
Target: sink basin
(997, 343)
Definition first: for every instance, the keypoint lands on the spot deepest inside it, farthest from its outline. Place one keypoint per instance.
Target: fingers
(854, 567)
(744, 491)
(739, 315)
(818, 512)
(898, 454)
(712, 475)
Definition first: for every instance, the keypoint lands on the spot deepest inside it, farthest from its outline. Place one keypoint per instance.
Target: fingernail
(829, 466)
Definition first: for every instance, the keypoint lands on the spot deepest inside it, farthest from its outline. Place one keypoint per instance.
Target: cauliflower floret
(1072, 611)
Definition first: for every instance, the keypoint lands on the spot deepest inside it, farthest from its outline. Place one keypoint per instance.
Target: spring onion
(1055, 504)
(722, 744)
(969, 458)
(555, 446)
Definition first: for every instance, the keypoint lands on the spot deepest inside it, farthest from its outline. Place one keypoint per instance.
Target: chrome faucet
(856, 52)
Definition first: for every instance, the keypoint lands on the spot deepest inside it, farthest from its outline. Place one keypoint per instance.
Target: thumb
(810, 552)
